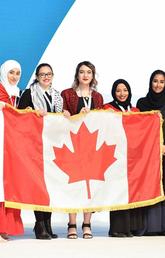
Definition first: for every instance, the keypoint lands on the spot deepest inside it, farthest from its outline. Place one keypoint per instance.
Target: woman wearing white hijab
(10, 73)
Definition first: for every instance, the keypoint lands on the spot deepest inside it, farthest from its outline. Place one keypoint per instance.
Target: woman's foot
(87, 234)
(2, 239)
(150, 234)
(5, 236)
(117, 234)
(129, 234)
(72, 231)
(40, 231)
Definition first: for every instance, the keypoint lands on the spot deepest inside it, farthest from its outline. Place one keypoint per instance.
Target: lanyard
(87, 104)
(87, 100)
(123, 109)
(13, 101)
(50, 104)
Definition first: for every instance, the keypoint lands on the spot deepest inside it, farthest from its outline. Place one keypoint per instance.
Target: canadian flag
(100, 161)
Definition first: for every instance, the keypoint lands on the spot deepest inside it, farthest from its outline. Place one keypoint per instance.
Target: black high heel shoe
(49, 229)
(86, 235)
(72, 235)
(40, 231)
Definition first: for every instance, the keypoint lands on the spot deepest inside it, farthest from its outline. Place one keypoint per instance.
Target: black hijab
(153, 100)
(116, 103)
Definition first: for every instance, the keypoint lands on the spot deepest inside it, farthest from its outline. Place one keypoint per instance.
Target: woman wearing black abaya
(123, 223)
(154, 216)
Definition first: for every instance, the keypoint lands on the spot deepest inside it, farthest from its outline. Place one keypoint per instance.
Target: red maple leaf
(85, 163)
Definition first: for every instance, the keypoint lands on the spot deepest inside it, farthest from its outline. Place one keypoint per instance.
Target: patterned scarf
(39, 101)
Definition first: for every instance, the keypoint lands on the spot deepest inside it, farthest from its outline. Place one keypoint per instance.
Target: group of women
(81, 98)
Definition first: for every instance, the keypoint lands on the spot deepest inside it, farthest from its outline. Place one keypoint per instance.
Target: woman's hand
(29, 108)
(41, 112)
(84, 110)
(2, 105)
(163, 149)
(66, 113)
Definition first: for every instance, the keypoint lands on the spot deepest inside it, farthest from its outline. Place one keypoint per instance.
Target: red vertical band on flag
(143, 156)
(23, 158)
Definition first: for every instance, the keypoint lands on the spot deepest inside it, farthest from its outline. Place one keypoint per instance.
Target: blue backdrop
(27, 28)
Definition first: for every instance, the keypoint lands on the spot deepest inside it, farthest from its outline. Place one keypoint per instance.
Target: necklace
(86, 98)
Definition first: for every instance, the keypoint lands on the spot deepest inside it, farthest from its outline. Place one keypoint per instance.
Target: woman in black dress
(123, 223)
(154, 216)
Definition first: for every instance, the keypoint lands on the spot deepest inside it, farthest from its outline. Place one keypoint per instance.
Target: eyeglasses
(43, 75)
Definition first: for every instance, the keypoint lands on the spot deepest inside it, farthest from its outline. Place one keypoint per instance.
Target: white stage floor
(100, 246)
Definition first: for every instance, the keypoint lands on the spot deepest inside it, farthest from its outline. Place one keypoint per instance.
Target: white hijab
(12, 90)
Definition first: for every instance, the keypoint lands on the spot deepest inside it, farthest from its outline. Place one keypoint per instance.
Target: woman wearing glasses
(43, 97)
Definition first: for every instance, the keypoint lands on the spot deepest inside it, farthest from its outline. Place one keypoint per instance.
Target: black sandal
(72, 235)
(87, 235)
